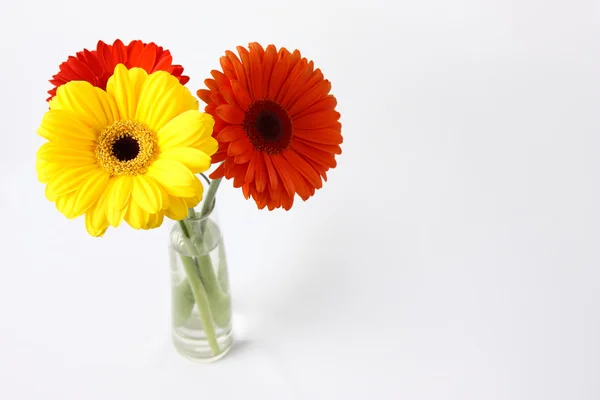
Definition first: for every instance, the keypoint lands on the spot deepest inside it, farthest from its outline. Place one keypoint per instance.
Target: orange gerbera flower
(275, 122)
(98, 65)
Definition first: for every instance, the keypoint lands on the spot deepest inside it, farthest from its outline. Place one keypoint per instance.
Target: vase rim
(198, 218)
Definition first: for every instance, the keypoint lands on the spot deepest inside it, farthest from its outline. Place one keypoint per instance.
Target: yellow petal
(64, 126)
(66, 205)
(196, 160)
(68, 180)
(118, 195)
(185, 129)
(95, 220)
(147, 193)
(90, 105)
(136, 217)
(207, 145)
(162, 98)
(154, 221)
(177, 209)
(125, 86)
(175, 177)
(46, 170)
(91, 190)
(64, 155)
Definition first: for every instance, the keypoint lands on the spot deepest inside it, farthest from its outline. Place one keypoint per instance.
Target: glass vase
(200, 297)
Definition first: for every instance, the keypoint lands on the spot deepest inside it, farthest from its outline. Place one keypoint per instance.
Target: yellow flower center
(126, 148)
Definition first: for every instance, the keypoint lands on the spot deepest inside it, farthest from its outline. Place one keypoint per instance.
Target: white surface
(453, 254)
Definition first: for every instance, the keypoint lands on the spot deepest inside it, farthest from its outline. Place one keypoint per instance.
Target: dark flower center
(125, 148)
(268, 127)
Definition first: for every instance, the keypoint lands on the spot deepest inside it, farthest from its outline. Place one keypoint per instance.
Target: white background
(453, 253)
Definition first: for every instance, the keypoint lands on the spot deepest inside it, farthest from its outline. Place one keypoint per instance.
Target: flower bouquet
(126, 141)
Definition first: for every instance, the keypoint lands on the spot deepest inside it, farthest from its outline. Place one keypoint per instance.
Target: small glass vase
(200, 297)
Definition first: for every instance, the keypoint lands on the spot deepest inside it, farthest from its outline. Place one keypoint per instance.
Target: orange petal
(260, 175)
(212, 85)
(327, 103)
(325, 135)
(296, 73)
(302, 166)
(241, 95)
(278, 77)
(231, 133)
(273, 179)
(317, 120)
(204, 95)
(245, 57)
(321, 157)
(310, 97)
(218, 173)
(227, 68)
(228, 96)
(230, 114)
(238, 67)
(258, 87)
(268, 62)
(283, 170)
(328, 148)
(246, 190)
(252, 166)
(238, 146)
(297, 89)
(243, 158)
(258, 49)
(220, 78)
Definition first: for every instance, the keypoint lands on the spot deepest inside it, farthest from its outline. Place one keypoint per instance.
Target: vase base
(199, 350)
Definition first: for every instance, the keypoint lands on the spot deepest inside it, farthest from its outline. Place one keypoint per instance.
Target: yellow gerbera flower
(130, 152)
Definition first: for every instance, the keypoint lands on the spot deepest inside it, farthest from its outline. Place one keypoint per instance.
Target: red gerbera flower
(276, 124)
(98, 65)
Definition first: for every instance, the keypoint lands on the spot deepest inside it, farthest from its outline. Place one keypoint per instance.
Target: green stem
(209, 201)
(202, 303)
(198, 291)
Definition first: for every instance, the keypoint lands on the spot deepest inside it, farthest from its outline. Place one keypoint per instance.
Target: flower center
(268, 127)
(126, 148)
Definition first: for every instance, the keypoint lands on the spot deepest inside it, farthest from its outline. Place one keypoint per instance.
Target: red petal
(119, 52)
(147, 58)
(134, 50)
